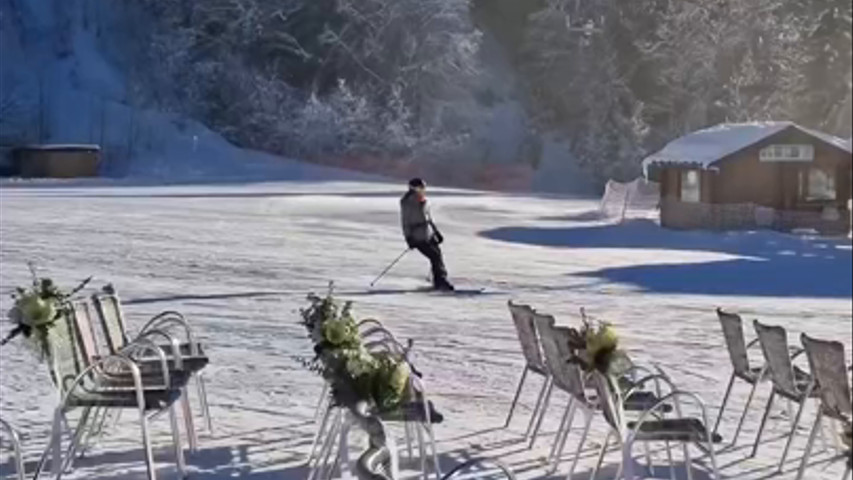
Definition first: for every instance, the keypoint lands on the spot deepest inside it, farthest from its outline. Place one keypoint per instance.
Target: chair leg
(669, 459)
(688, 460)
(17, 452)
(422, 452)
(325, 452)
(796, 422)
(515, 399)
(743, 415)
(807, 453)
(321, 402)
(334, 454)
(343, 452)
(176, 441)
(146, 442)
(562, 435)
(601, 454)
(846, 475)
(408, 432)
(725, 401)
(319, 434)
(189, 423)
(542, 414)
(648, 455)
(436, 465)
(763, 422)
(713, 456)
(79, 432)
(205, 406)
(98, 420)
(535, 415)
(581, 443)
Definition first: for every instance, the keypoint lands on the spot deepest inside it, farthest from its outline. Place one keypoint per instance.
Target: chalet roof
(703, 148)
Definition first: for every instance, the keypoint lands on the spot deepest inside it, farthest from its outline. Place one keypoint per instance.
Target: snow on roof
(704, 147)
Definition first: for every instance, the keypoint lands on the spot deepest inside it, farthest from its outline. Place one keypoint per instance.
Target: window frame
(684, 175)
(804, 181)
(780, 152)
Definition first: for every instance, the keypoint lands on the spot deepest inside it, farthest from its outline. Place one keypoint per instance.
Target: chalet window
(787, 153)
(817, 185)
(690, 186)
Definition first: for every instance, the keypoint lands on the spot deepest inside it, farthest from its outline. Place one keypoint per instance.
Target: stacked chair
(417, 418)
(825, 383)
(547, 352)
(148, 374)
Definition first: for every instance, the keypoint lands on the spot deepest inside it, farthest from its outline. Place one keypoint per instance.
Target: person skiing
(421, 233)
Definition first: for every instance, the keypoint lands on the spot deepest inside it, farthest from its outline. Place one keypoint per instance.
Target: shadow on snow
(772, 264)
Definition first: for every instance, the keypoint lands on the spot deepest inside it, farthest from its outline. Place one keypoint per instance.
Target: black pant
(432, 251)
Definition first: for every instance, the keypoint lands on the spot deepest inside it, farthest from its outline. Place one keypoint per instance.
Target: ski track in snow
(238, 260)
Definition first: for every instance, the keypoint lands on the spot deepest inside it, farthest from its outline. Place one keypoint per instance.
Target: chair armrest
(142, 346)
(173, 343)
(672, 396)
(370, 321)
(657, 378)
(98, 367)
(173, 318)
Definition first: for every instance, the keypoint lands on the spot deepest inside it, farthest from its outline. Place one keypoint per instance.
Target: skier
(421, 233)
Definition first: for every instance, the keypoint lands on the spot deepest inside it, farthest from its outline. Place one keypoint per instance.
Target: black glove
(438, 237)
(410, 242)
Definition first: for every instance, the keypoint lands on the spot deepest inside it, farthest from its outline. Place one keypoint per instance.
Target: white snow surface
(238, 260)
(704, 147)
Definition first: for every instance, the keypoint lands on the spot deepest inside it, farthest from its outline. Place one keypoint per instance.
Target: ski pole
(389, 267)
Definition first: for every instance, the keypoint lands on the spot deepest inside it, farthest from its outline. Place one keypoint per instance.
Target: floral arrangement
(36, 308)
(355, 374)
(597, 347)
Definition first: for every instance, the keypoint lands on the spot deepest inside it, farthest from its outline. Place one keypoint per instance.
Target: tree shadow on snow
(772, 264)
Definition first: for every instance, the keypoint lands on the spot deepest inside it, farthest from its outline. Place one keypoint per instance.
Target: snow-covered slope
(68, 91)
(239, 259)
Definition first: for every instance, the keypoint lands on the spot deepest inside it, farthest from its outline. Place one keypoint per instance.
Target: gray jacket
(415, 218)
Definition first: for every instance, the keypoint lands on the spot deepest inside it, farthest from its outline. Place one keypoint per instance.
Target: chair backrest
(609, 400)
(112, 323)
(85, 330)
(555, 346)
(827, 363)
(66, 361)
(522, 317)
(774, 345)
(735, 343)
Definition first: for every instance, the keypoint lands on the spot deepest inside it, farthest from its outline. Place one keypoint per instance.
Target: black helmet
(416, 183)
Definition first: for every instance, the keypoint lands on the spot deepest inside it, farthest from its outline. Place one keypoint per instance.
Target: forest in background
(417, 79)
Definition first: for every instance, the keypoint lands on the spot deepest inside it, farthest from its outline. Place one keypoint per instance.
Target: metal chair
(190, 353)
(418, 415)
(109, 382)
(648, 428)
(377, 337)
(789, 382)
(827, 362)
(567, 377)
(741, 369)
(15, 440)
(522, 317)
